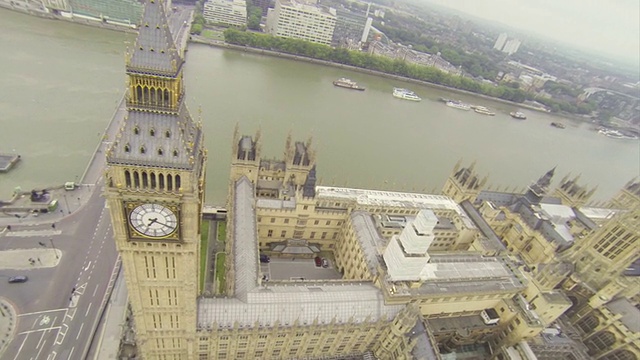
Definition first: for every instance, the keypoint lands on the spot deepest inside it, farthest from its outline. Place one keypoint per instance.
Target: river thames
(62, 83)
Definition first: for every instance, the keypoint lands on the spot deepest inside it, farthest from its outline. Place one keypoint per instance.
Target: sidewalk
(114, 321)
(7, 324)
(29, 259)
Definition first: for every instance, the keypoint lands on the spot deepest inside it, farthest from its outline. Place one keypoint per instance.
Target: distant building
(502, 39)
(506, 44)
(226, 12)
(397, 51)
(350, 26)
(301, 20)
(511, 47)
(122, 11)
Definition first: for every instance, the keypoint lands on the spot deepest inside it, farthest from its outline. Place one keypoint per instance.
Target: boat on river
(347, 84)
(483, 110)
(458, 105)
(405, 94)
(518, 115)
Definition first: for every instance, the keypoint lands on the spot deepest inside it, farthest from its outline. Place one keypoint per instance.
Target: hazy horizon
(609, 28)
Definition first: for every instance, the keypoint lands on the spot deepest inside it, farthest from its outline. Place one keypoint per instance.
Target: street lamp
(67, 203)
(54, 248)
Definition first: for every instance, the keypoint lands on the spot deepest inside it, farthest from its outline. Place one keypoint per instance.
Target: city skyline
(610, 28)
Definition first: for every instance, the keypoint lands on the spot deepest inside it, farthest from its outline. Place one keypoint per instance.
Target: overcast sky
(610, 27)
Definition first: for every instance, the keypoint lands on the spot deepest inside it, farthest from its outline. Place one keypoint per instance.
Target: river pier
(8, 161)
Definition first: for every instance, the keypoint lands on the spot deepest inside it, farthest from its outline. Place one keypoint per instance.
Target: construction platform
(7, 161)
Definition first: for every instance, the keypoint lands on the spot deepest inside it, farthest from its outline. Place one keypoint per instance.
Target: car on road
(18, 279)
(325, 263)
(318, 261)
(264, 259)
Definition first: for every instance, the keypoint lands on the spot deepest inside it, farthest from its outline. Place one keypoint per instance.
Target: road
(54, 321)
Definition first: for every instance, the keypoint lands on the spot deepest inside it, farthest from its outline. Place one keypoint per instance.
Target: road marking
(45, 320)
(87, 268)
(79, 331)
(20, 349)
(89, 308)
(35, 331)
(95, 291)
(41, 312)
(41, 337)
(52, 356)
(71, 352)
(39, 351)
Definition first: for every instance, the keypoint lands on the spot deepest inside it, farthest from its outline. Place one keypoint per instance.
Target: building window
(286, 221)
(142, 150)
(305, 207)
(273, 220)
(316, 222)
(328, 222)
(313, 235)
(160, 152)
(127, 148)
(167, 134)
(283, 233)
(136, 130)
(270, 233)
(152, 132)
(324, 235)
(175, 153)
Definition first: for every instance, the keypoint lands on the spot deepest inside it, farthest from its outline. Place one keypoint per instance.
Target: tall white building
(511, 46)
(228, 12)
(502, 39)
(506, 44)
(300, 20)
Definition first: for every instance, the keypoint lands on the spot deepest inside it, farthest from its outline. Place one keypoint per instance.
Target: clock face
(153, 220)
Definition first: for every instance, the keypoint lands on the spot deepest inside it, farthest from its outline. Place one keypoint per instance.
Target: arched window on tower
(160, 152)
(167, 100)
(136, 180)
(161, 181)
(152, 175)
(138, 93)
(177, 178)
(175, 153)
(169, 182)
(142, 150)
(127, 178)
(145, 95)
(145, 180)
(167, 134)
(136, 130)
(152, 132)
(152, 94)
(127, 148)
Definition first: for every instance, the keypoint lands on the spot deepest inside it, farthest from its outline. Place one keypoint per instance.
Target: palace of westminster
(537, 275)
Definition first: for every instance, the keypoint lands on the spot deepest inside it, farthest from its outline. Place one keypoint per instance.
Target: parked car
(264, 259)
(18, 279)
(325, 263)
(318, 261)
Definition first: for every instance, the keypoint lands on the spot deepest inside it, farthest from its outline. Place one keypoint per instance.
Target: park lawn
(204, 241)
(222, 231)
(210, 34)
(220, 272)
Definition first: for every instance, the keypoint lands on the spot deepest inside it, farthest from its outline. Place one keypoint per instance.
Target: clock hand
(155, 220)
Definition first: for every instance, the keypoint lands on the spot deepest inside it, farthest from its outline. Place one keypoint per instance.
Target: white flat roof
(394, 199)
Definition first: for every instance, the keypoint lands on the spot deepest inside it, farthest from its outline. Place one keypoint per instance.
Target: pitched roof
(155, 50)
(157, 139)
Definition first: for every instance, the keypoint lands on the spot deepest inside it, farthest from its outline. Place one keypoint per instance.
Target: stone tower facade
(628, 197)
(155, 191)
(463, 183)
(573, 194)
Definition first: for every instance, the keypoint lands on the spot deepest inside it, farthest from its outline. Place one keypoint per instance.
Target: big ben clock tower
(154, 188)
